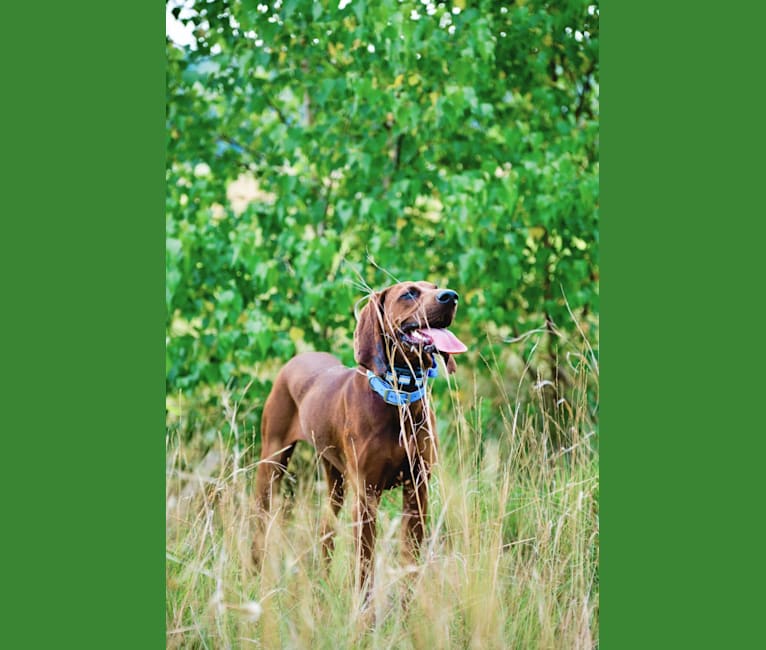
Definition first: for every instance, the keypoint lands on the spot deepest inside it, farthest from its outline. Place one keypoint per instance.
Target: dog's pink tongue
(444, 340)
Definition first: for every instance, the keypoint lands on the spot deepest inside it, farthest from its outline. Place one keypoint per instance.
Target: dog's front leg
(414, 510)
(364, 520)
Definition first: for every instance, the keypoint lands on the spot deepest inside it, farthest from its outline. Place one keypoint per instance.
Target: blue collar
(401, 377)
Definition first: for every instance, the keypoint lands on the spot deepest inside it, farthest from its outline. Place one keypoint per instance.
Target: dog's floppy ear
(368, 335)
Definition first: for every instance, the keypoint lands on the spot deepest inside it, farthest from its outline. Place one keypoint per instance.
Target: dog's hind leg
(335, 489)
(278, 439)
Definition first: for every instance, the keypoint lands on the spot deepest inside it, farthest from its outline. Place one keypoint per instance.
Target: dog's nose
(447, 296)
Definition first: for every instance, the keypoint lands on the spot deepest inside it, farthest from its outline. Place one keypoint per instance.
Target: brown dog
(371, 425)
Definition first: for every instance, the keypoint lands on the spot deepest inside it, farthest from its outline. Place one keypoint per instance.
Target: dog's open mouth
(438, 338)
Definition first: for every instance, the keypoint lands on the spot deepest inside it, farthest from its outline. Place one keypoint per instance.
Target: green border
(682, 174)
(83, 325)
(81, 254)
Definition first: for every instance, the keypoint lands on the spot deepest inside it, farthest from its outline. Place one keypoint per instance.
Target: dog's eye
(411, 294)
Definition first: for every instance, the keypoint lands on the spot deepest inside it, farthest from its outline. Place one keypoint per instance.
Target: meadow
(510, 559)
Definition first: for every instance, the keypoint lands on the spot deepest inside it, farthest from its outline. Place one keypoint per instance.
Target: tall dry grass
(510, 559)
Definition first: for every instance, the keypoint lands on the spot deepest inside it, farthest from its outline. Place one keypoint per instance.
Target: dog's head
(406, 324)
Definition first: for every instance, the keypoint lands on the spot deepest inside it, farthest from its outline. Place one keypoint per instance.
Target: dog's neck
(402, 385)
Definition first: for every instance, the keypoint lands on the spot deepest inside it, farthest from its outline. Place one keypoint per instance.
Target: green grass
(510, 559)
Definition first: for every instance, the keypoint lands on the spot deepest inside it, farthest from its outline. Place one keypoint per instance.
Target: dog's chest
(408, 457)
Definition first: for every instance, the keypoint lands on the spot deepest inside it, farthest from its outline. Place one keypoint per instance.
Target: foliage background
(314, 149)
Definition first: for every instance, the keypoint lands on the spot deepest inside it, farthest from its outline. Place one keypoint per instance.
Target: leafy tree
(312, 144)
